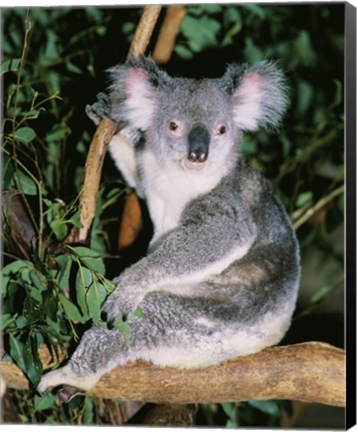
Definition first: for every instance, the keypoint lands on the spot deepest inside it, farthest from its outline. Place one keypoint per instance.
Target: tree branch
(309, 372)
(300, 220)
(168, 32)
(104, 134)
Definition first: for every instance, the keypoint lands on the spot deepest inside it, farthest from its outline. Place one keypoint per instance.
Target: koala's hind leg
(174, 331)
(167, 326)
(100, 350)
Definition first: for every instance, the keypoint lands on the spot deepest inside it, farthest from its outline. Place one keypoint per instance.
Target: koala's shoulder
(252, 187)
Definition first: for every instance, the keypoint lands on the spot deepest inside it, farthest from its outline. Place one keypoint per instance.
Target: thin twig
(317, 207)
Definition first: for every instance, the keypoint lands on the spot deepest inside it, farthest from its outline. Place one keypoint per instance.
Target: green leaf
(95, 297)
(21, 322)
(251, 52)
(84, 280)
(45, 402)
(14, 267)
(17, 352)
(319, 295)
(128, 28)
(75, 219)
(73, 68)
(138, 313)
(304, 198)
(25, 134)
(124, 329)
(51, 52)
(71, 310)
(32, 310)
(266, 406)
(232, 15)
(32, 361)
(11, 65)
(59, 132)
(65, 263)
(37, 281)
(90, 258)
(305, 94)
(8, 174)
(50, 305)
(255, 10)
(339, 93)
(200, 32)
(183, 52)
(26, 184)
(88, 411)
(34, 113)
(6, 320)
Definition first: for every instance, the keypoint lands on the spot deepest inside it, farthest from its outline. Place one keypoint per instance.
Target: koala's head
(196, 124)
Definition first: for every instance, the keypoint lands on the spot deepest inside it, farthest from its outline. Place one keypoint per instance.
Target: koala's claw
(99, 109)
(71, 383)
(120, 304)
(67, 393)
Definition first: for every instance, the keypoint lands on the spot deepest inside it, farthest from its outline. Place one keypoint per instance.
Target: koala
(221, 275)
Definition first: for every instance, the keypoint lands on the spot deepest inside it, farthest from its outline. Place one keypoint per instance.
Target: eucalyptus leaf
(6, 320)
(32, 361)
(95, 297)
(124, 329)
(25, 134)
(266, 406)
(11, 65)
(183, 52)
(92, 259)
(25, 183)
(84, 280)
(17, 352)
(71, 310)
(45, 402)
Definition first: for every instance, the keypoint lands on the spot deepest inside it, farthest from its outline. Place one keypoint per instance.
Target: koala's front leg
(100, 109)
(126, 297)
(188, 255)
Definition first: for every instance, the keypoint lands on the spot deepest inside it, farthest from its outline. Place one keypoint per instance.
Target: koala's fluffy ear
(134, 92)
(259, 94)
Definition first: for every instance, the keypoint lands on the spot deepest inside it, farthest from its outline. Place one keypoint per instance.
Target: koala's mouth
(194, 165)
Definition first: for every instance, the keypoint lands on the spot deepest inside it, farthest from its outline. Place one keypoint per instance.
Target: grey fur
(222, 272)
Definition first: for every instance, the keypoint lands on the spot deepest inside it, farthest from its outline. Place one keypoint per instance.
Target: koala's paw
(70, 381)
(121, 303)
(100, 109)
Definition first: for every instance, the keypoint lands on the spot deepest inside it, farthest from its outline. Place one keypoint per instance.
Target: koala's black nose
(198, 143)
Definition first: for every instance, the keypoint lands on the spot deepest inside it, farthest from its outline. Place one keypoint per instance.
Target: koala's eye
(173, 126)
(221, 130)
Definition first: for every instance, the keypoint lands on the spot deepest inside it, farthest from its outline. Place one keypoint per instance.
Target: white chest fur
(168, 190)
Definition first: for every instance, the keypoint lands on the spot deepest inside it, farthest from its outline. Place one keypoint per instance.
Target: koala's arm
(211, 235)
(122, 146)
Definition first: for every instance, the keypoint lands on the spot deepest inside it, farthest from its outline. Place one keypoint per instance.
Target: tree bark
(309, 372)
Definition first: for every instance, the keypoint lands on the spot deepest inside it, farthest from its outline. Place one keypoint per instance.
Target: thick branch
(91, 180)
(309, 372)
(103, 135)
(168, 32)
(144, 30)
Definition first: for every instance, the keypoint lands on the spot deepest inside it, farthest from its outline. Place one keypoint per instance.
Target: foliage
(50, 71)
